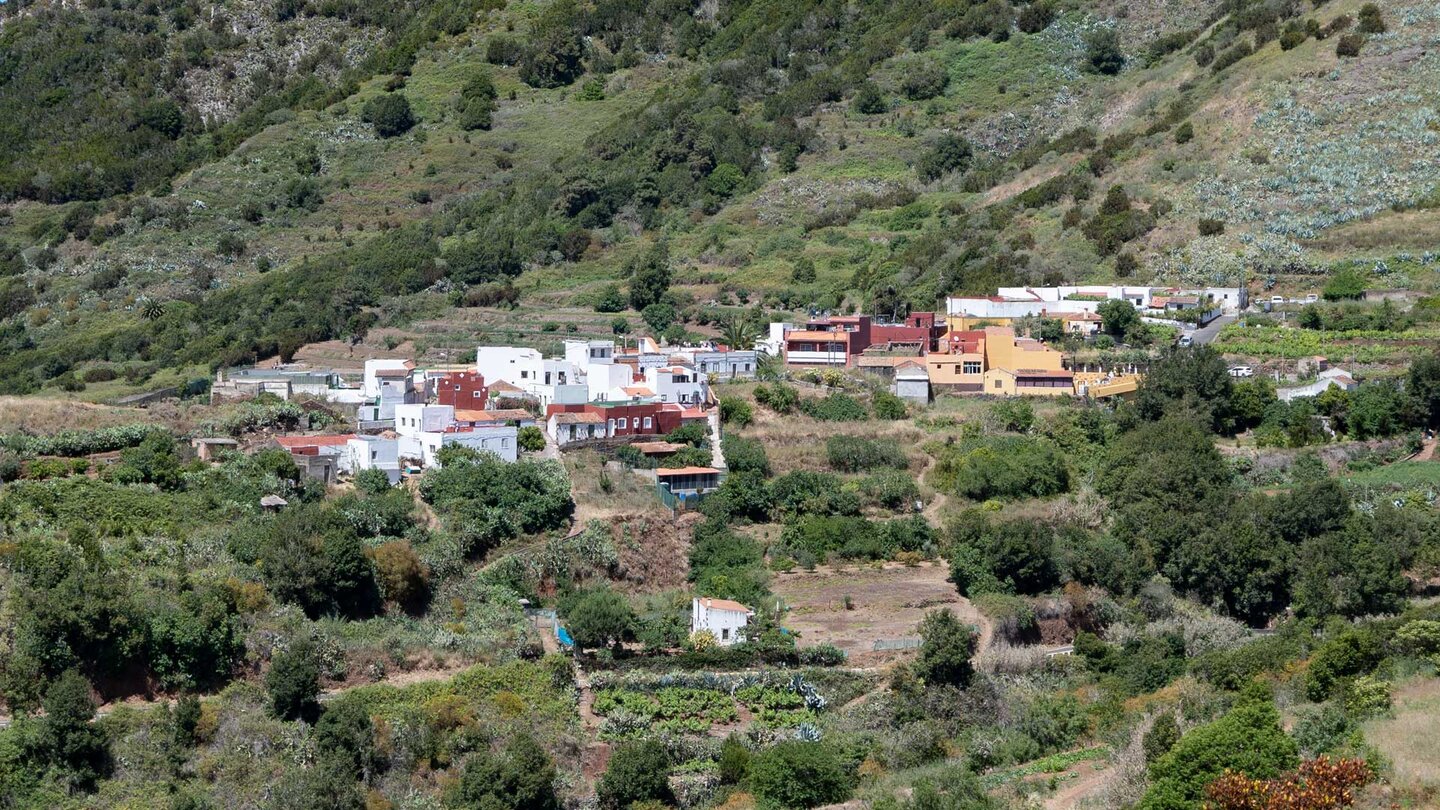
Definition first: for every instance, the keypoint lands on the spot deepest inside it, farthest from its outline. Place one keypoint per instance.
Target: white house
(424, 429)
(371, 453)
(519, 367)
(676, 383)
(725, 619)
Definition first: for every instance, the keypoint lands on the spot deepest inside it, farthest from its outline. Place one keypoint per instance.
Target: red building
(634, 419)
(839, 340)
(462, 389)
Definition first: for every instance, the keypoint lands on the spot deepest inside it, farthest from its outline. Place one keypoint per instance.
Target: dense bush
(858, 454)
(1247, 739)
(834, 407)
(798, 774)
(1001, 467)
(390, 113)
(488, 501)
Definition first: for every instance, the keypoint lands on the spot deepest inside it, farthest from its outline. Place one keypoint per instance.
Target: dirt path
(1427, 450)
(1089, 778)
(932, 509)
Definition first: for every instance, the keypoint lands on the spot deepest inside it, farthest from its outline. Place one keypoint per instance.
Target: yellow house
(993, 361)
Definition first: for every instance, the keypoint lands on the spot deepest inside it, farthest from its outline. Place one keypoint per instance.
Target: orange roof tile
(725, 604)
(292, 442)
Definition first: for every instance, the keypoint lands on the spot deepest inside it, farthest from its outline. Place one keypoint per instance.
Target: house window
(622, 424)
(957, 369)
(724, 634)
(524, 375)
(475, 394)
(505, 443)
(972, 367)
(647, 423)
(997, 384)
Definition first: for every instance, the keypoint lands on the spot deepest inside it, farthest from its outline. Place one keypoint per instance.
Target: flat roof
(666, 473)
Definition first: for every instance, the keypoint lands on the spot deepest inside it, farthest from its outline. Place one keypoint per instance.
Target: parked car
(1311, 298)
(1277, 299)
(1242, 371)
(1185, 340)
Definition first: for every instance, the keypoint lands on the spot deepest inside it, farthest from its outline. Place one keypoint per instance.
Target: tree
(522, 777)
(1370, 20)
(294, 682)
(1352, 572)
(1423, 386)
(1344, 285)
(1036, 16)
(345, 737)
(948, 153)
(1161, 737)
(946, 647)
(1102, 52)
(390, 113)
(67, 737)
(658, 316)
(531, 439)
(372, 481)
(404, 578)
(1188, 379)
(738, 332)
(554, 58)
(736, 412)
(638, 772)
(804, 271)
(598, 617)
(1165, 482)
(649, 276)
(923, 79)
(1247, 739)
(868, 100)
(798, 774)
(1117, 316)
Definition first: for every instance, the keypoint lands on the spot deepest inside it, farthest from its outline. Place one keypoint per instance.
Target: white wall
(520, 367)
(371, 383)
(727, 625)
(413, 419)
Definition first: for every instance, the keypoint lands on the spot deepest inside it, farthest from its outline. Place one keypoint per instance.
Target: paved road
(1206, 334)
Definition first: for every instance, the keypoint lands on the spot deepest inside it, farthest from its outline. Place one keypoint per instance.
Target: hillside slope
(900, 153)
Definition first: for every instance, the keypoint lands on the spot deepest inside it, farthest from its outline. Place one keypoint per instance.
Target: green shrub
(293, 682)
(835, 407)
(798, 774)
(1247, 739)
(389, 113)
(857, 454)
(1001, 467)
(736, 412)
(1349, 45)
(638, 772)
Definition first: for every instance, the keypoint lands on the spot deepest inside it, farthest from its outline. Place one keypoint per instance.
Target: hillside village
(719, 405)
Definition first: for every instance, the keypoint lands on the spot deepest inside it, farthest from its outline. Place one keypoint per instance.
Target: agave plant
(152, 310)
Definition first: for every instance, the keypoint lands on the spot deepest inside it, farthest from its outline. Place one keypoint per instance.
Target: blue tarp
(564, 636)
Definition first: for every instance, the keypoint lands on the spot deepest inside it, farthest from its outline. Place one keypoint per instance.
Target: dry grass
(797, 442)
(1407, 738)
(886, 603)
(41, 416)
(628, 493)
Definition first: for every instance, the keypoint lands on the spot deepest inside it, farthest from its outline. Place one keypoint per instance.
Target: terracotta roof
(502, 387)
(657, 448)
(292, 442)
(392, 372)
(692, 413)
(638, 391)
(501, 415)
(666, 473)
(585, 418)
(724, 604)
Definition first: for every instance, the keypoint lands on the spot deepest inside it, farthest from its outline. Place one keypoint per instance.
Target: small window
(724, 634)
(647, 423)
(621, 425)
(475, 394)
(997, 384)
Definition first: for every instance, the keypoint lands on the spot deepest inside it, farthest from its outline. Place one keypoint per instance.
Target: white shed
(726, 620)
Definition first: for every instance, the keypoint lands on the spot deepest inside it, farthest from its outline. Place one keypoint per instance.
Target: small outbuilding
(726, 620)
(912, 382)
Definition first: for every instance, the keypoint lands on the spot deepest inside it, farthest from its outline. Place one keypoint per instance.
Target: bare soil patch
(887, 604)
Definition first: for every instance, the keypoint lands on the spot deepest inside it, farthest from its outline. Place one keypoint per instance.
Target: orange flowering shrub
(1318, 784)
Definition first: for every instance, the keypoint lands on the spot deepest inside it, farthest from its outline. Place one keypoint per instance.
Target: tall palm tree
(738, 332)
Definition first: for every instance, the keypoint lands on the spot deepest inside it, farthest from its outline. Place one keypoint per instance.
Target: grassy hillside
(750, 139)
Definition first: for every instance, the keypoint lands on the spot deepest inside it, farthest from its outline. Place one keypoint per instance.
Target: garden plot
(885, 604)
